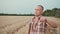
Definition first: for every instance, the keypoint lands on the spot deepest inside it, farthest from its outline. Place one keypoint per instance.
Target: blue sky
(26, 6)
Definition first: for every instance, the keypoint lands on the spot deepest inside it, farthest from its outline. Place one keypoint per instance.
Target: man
(39, 23)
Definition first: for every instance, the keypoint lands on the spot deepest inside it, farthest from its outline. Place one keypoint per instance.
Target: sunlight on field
(19, 24)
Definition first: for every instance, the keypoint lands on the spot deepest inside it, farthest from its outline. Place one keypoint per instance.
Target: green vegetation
(55, 12)
(1, 14)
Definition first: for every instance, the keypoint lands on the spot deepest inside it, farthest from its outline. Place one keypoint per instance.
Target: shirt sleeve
(30, 21)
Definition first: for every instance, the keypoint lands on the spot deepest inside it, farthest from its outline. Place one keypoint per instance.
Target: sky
(26, 6)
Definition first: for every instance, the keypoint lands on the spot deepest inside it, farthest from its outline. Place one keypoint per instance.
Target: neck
(37, 15)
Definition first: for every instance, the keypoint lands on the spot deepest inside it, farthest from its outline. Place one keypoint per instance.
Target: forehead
(38, 7)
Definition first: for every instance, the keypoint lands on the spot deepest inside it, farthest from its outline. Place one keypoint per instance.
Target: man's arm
(51, 23)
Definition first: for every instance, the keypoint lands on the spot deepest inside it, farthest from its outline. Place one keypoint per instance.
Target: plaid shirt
(38, 28)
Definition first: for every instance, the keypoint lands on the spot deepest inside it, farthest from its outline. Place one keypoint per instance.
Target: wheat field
(19, 24)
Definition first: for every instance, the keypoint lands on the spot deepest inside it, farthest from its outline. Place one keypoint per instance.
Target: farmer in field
(39, 23)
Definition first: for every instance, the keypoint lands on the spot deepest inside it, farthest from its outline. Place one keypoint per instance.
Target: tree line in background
(55, 12)
(2, 14)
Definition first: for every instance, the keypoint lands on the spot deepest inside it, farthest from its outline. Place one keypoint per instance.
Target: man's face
(38, 10)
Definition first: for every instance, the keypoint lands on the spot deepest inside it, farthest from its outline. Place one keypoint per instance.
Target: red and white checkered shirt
(38, 28)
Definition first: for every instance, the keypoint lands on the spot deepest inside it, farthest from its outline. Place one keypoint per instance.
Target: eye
(37, 9)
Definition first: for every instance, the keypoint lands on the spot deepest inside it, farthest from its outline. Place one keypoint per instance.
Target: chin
(36, 15)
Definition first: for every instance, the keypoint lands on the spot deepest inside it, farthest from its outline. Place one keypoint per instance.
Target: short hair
(41, 7)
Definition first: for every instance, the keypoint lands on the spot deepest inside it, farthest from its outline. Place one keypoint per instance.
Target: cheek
(37, 12)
